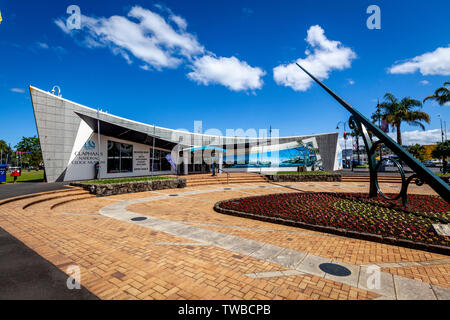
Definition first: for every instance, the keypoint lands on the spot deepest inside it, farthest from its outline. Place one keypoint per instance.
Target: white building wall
(85, 156)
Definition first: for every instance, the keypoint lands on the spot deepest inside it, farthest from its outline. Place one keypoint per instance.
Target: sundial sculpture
(421, 173)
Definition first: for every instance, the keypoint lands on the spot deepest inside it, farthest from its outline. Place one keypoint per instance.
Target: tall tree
(396, 111)
(442, 150)
(31, 144)
(417, 151)
(4, 150)
(441, 95)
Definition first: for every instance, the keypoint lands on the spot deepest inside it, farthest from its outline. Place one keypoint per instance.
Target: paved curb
(338, 231)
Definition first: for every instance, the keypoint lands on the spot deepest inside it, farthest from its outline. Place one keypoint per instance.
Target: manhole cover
(262, 187)
(173, 195)
(335, 269)
(139, 219)
(226, 189)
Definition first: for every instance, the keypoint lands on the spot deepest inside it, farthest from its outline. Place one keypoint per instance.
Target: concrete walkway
(391, 286)
(180, 248)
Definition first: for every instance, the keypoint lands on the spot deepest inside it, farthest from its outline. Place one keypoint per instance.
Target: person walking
(15, 174)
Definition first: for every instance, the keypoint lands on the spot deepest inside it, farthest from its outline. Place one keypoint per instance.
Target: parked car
(429, 163)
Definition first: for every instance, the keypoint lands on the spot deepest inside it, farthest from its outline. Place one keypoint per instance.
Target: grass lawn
(303, 173)
(122, 180)
(443, 174)
(27, 176)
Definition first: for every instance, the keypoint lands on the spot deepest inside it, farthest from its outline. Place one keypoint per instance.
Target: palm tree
(441, 95)
(395, 112)
(418, 151)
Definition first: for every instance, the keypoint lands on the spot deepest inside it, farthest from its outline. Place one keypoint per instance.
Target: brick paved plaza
(186, 250)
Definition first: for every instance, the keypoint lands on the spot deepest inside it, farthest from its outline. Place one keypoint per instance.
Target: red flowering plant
(355, 211)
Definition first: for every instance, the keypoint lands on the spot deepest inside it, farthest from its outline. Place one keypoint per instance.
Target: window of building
(120, 157)
(159, 162)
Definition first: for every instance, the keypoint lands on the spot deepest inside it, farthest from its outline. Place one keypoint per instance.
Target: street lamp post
(445, 130)
(379, 125)
(442, 130)
(444, 169)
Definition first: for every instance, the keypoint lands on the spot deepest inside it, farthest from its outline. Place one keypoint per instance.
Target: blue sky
(225, 63)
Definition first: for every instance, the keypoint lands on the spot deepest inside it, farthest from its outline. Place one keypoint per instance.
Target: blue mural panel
(292, 157)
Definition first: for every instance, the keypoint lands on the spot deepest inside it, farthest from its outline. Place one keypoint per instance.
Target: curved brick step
(61, 203)
(35, 195)
(40, 201)
(233, 178)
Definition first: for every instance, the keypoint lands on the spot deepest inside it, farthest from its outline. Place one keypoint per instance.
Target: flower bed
(354, 215)
(305, 177)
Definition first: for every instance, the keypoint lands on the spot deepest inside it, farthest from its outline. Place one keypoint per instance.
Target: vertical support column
(220, 161)
(99, 175)
(186, 155)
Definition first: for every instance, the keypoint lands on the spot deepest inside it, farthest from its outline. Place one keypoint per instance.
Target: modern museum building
(75, 140)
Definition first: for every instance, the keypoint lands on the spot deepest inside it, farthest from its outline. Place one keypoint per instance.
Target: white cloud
(235, 74)
(42, 45)
(326, 55)
(420, 137)
(151, 38)
(179, 21)
(62, 25)
(18, 90)
(408, 138)
(351, 82)
(430, 63)
(424, 82)
(164, 34)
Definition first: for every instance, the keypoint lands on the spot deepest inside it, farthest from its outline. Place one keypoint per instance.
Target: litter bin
(3, 171)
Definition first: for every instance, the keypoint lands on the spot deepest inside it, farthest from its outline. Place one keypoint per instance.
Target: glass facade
(120, 157)
(159, 162)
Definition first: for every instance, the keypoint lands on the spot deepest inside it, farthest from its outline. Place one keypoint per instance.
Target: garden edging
(338, 231)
